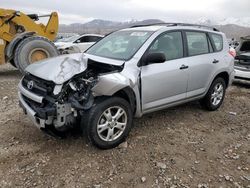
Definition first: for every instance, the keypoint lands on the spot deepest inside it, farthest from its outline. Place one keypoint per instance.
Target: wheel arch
(223, 75)
(127, 94)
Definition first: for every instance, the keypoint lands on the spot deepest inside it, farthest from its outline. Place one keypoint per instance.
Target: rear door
(201, 60)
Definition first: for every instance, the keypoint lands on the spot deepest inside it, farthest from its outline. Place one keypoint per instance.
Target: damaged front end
(242, 67)
(55, 98)
(242, 59)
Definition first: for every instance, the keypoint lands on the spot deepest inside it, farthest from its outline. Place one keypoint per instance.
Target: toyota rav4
(127, 74)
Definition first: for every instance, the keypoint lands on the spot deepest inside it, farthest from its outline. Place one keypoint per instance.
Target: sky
(81, 11)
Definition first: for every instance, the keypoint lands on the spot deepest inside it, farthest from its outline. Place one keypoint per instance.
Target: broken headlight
(78, 92)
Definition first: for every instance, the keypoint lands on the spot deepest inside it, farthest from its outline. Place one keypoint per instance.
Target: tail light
(232, 52)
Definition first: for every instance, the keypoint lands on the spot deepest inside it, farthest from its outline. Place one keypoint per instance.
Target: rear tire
(33, 49)
(215, 95)
(109, 122)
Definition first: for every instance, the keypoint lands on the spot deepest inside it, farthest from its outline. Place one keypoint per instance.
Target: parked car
(77, 44)
(127, 74)
(242, 59)
(64, 36)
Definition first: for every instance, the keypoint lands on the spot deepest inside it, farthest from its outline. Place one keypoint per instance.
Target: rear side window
(197, 43)
(218, 41)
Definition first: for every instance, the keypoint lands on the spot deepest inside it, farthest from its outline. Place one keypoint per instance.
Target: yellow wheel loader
(24, 41)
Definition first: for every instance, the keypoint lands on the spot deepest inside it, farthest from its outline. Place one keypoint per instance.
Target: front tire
(109, 122)
(215, 95)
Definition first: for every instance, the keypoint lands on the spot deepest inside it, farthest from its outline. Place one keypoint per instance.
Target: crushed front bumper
(32, 114)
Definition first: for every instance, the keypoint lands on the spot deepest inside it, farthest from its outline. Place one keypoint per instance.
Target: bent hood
(59, 69)
(62, 68)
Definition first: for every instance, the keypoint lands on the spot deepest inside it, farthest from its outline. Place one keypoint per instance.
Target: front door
(165, 83)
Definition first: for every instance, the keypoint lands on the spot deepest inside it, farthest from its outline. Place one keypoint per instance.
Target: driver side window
(170, 44)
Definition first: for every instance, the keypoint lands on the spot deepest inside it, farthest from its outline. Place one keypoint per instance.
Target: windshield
(69, 39)
(120, 45)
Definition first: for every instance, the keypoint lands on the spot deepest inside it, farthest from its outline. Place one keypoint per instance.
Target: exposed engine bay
(61, 104)
(243, 60)
(77, 90)
(243, 53)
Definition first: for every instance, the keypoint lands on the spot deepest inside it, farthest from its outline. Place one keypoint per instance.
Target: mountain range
(244, 22)
(233, 28)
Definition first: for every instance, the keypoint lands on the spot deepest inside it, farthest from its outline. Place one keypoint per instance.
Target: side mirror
(78, 41)
(155, 57)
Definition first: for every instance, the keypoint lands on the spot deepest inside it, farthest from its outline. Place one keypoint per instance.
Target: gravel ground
(183, 146)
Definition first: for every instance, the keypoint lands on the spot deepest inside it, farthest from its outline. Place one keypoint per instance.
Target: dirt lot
(179, 147)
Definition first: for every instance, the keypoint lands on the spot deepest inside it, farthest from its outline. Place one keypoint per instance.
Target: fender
(109, 84)
(116, 83)
(12, 45)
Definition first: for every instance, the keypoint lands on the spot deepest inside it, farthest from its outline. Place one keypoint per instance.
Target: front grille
(39, 86)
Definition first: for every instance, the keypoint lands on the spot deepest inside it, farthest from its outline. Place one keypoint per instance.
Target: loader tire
(33, 49)
(12, 63)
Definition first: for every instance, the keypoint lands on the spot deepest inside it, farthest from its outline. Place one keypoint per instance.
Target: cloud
(233, 8)
(120, 10)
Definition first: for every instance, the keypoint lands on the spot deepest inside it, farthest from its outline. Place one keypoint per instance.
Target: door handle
(215, 61)
(183, 67)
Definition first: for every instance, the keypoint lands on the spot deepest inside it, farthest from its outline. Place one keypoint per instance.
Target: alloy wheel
(112, 123)
(217, 94)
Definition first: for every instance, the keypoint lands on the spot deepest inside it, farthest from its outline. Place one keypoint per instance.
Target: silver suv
(127, 74)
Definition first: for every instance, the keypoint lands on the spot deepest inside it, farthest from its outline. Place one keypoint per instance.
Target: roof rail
(176, 24)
